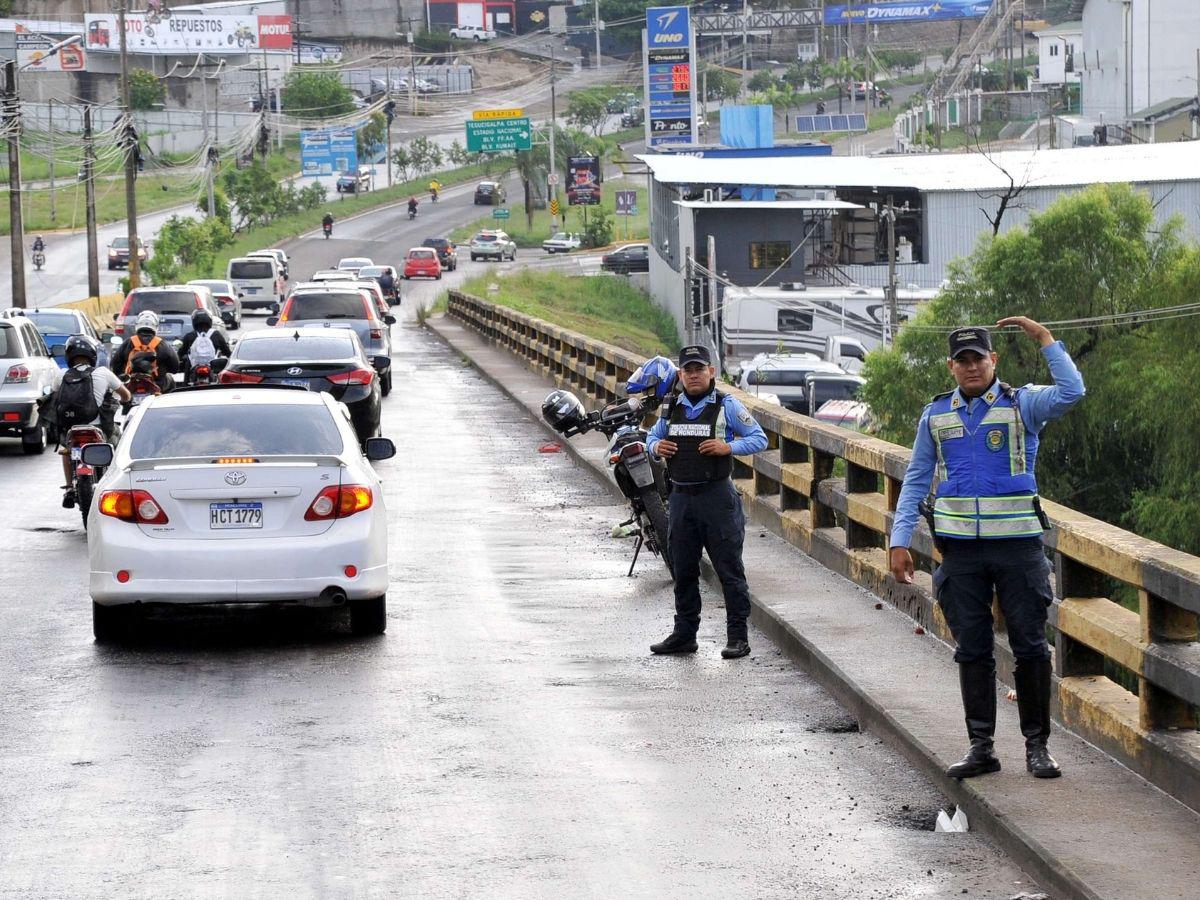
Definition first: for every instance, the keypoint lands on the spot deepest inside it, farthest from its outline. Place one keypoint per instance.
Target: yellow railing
(1128, 681)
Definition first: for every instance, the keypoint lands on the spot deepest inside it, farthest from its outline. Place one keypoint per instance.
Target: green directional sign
(499, 135)
(500, 213)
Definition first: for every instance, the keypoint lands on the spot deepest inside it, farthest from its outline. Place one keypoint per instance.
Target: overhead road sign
(499, 135)
(830, 123)
(906, 11)
(480, 115)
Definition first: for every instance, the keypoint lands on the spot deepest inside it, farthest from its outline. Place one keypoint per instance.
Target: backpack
(76, 401)
(140, 351)
(203, 350)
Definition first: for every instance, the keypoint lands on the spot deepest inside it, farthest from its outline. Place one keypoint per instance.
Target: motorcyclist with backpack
(387, 284)
(85, 396)
(150, 348)
(202, 344)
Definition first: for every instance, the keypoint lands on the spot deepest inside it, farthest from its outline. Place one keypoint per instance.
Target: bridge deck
(1099, 831)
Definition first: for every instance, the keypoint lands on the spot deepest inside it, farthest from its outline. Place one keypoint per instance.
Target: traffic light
(389, 110)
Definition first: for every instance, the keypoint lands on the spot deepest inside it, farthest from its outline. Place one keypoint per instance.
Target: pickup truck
(472, 33)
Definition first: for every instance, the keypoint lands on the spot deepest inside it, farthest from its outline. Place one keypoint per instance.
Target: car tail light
(339, 502)
(17, 375)
(227, 377)
(376, 334)
(119, 328)
(636, 448)
(203, 371)
(132, 506)
(80, 437)
(235, 460)
(12, 417)
(357, 376)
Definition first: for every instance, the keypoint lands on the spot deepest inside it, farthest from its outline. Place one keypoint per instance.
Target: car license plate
(235, 515)
(296, 382)
(250, 290)
(76, 453)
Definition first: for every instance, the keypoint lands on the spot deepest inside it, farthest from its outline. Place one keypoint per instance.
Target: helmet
(563, 411)
(657, 375)
(146, 321)
(78, 345)
(201, 320)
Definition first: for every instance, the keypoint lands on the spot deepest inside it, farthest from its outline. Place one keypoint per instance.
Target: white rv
(773, 320)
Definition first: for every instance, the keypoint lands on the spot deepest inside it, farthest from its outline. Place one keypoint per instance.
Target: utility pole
(597, 34)
(553, 128)
(131, 155)
(89, 188)
(12, 124)
(50, 130)
(745, 60)
(296, 30)
(893, 301)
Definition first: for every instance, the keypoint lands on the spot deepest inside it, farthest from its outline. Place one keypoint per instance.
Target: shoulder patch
(744, 417)
(942, 395)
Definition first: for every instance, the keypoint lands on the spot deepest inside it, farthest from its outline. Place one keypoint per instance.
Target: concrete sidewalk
(1100, 831)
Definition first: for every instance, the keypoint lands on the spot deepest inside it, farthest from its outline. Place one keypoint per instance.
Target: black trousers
(1017, 572)
(710, 520)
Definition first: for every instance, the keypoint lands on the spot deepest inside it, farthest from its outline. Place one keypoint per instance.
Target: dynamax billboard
(910, 11)
(184, 33)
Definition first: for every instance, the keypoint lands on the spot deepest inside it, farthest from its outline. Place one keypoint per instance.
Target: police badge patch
(995, 440)
(744, 417)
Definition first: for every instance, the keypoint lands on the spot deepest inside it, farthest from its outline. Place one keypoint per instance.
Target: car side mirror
(240, 295)
(218, 364)
(389, 320)
(377, 448)
(381, 362)
(106, 336)
(97, 455)
(272, 321)
(116, 316)
(58, 351)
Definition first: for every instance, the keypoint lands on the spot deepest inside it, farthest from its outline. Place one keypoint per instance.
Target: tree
(1127, 453)
(457, 154)
(146, 90)
(586, 109)
(722, 85)
(762, 80)
(425, 154)
(403, 162)
(223, 210)
(186, 247)
(371, 135)
(316, 94)
(599, 230)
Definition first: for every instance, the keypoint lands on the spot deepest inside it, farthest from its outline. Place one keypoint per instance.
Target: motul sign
(275, 32)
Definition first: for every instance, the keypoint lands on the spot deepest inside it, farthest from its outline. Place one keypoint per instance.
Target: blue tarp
(748, 126)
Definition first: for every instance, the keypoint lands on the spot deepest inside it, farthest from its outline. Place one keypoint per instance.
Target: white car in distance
(353, 263)
(472, 33)
(561, 242)
(237, 495)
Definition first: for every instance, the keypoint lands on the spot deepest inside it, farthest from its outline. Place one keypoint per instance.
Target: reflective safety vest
(986, 485)
(689, 465)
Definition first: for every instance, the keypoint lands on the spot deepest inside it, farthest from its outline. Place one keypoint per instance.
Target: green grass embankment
(606, 308)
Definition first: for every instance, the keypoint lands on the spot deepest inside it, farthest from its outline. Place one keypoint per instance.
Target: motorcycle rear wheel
(656, 524)
(84, 487)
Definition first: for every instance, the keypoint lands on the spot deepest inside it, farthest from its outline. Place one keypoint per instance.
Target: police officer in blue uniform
(982, 440)
(698, 436)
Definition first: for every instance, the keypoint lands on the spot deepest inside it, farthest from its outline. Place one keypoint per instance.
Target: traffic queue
(249, 460)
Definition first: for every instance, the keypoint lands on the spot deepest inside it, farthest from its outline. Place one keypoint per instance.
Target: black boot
(1034, 681)
(675, 643)
(978, 683)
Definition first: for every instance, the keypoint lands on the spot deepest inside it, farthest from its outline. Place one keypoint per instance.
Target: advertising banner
(906, 11)
(669, 64)
(183, 33)
(626, 203)
(328, 151)
(583, 180)
(33, 54)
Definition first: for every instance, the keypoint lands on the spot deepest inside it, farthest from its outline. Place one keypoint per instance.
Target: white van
(260, 281)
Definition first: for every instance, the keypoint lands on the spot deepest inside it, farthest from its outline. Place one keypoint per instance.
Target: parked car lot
(495, 245)
(245, 495)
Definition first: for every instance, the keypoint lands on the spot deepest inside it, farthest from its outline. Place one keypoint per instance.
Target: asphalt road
(509, 736)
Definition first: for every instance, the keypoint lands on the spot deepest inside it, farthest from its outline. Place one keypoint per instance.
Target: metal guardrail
(1128, 681)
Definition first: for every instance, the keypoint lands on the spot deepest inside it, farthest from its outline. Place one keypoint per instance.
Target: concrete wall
(175, 131)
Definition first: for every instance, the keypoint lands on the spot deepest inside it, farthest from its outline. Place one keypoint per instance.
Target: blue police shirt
(1039, 404)
(742, 433)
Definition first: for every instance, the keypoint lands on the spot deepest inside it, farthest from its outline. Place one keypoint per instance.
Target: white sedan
(561, 242)
(233, 495)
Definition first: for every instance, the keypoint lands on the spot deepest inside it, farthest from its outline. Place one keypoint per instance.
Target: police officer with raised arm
(698, 436)
(982, 440)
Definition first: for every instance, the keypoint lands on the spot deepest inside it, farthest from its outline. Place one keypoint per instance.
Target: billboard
(184, 33)
(33, 50)
(906, 11)
(669, 46)
(328, 151)
(583, 180)
(626, 203)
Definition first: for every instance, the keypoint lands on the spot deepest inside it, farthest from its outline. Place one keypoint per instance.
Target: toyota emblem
(294, 370)
(235, 478)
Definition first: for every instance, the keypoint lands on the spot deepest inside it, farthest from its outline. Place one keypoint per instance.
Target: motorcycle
(327, 227)
(412, 213)
(433, 195)
(83, 477)
(142, 386)
(201, 374)
(640, 476)
(39, 259)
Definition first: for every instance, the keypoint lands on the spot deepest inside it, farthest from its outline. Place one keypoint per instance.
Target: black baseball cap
(970, 338)
(695, 353)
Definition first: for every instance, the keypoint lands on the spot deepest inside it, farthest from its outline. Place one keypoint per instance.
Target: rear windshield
(420, 254)
(371, 272)
(54, 322)
(232, 429)
(782, 377)
(8, 343)
(484, 238)
(485, 188)
(256, 269)
(823, 391)
(290, 349)
(436, 242)
(163, 302)
(326, 306)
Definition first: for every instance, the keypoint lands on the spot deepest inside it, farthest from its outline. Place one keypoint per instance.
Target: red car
(422, 261)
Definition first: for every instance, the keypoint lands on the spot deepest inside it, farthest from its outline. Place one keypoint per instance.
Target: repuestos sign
(184, 33)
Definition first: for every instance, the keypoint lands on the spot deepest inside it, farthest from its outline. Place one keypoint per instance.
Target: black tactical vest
(688, 466)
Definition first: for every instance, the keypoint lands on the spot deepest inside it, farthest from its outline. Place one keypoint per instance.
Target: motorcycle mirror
(218, 364)
(389, 320)
(381, 362)
(58, 351)
(272, 321)
(376, 448)
(116, 316)
(97, 455)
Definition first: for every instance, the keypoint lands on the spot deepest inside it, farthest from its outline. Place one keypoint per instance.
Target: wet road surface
(510, 735)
